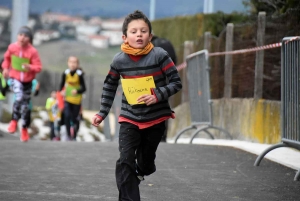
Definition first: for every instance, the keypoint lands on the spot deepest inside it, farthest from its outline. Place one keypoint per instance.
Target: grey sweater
(156, 63)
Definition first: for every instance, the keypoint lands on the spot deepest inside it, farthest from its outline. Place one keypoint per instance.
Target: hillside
(93, 61)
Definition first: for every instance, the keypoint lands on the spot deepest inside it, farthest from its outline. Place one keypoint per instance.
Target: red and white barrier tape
(181, 66)
(254, 49)
(265, 47)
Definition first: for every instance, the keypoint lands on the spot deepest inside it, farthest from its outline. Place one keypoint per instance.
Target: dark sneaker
(141, 178)
(138, 173)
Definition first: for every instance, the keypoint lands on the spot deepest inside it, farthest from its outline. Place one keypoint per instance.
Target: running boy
(142, 125)
(73, 86)
(21, 64)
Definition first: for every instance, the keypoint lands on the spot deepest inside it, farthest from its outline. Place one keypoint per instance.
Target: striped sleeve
(109, 91)
(174, 81)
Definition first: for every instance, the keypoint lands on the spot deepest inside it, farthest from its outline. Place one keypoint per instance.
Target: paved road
(85, 171)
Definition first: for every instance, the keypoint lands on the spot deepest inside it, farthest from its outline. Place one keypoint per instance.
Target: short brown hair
(135, 16)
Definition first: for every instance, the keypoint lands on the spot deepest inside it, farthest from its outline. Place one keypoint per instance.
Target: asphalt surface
(44, 170)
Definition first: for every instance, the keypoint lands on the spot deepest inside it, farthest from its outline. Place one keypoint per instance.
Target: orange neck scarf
(126, 48)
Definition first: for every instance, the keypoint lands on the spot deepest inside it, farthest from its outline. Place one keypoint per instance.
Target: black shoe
(138, 173)
(141, 178)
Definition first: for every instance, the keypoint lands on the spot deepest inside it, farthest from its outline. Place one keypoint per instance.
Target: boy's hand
(148, 99)
(96, 120)
(26, 66)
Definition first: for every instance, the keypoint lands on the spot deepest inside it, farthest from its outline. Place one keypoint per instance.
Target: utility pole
(208, 6)
(20, 13)
(259, 61)
(152, 10)
(228, 62)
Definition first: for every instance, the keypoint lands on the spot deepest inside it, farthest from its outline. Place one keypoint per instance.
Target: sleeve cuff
(97, 115)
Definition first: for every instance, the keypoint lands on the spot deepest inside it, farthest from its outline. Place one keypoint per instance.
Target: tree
(271, 7)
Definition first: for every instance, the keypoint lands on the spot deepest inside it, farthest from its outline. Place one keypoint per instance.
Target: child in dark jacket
(143, 122)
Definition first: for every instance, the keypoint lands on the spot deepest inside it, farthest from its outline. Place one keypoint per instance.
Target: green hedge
(191, 28)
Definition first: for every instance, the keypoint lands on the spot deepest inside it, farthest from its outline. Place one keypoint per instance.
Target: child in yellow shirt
(54, 116)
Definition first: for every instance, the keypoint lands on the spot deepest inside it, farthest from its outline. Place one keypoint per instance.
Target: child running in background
(21, 64)
(3, 85)
(35, 91)
(54, 116)
(72, 86)
(142, 123)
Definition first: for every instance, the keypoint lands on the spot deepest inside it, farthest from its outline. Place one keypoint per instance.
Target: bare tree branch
(276, 4)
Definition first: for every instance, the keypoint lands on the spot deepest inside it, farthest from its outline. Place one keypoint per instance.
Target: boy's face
(138, 35)
(72, 63)
(22, 39)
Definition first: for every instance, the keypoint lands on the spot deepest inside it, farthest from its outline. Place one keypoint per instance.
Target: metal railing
(290, 98)
(199, 93)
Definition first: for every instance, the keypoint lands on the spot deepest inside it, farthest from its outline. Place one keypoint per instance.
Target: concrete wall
(245, 119)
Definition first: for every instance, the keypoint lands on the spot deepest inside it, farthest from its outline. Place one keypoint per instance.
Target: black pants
(52, 132)
(22, 92)
(71, 112)
(164, 137)
(137, 149)
(54, 129)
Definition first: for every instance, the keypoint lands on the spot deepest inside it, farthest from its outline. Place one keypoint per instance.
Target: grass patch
(96, 137)
(87, 122)
(6, 116)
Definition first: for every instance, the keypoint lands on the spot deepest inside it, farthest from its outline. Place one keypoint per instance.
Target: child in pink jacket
(21, 64)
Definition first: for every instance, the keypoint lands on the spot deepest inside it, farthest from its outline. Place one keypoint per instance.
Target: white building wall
(112, 24)
(87, 29)
(115, 37)
(99, 43)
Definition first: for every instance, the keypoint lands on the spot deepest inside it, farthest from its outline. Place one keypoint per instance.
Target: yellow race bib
(135, 87)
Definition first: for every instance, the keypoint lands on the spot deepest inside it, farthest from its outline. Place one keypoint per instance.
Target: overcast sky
(120, 8)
